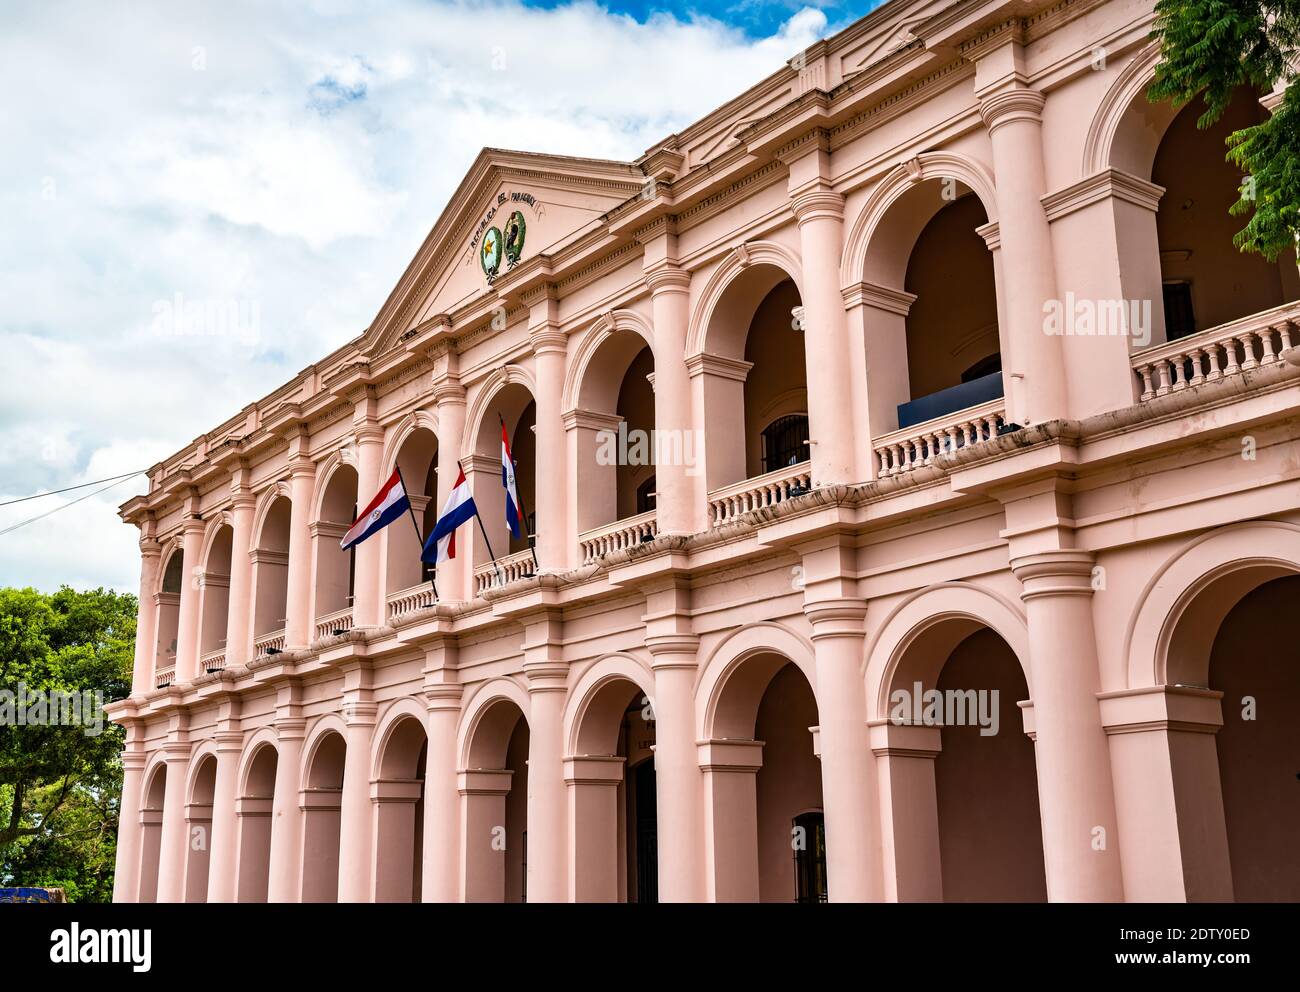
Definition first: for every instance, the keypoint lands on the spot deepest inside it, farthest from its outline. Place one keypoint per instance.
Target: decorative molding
(1100, 186)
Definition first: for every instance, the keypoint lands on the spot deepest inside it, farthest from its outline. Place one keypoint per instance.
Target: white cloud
(286, 159)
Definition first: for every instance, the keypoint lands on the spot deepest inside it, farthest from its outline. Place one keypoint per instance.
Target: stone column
(440, 877)
(187, 628)
(1013, 116)
(679, 786)
(126, 877)
(549, 348)
(848, 767)
(482, 814)
(368, 592)
(355, 815)
(680, 500)
(730, 771)
(1075, 794)
(547, 676)
(284, 882)
(449, 395)
(239, 618)
(225, 825)
(174, 847)
(820, 211)
(299, 625)
(146, 629)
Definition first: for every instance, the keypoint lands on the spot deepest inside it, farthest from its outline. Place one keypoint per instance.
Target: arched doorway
(214, 608)
(399, 813)
(253, 812)
(151, 819)
(763, 789)
(512, 404)
(418, 460)
(167, 601)
(271, 575)
(494, 806)
(322, 805)
(336, 569)
(198, 823)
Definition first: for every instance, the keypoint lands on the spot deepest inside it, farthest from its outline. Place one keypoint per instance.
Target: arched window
(785, 442)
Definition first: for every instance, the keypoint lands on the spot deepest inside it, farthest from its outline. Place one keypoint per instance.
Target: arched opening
(167, 601)
(930, 312)
(494, 807)
(418, 461)
(753, 377)
(215, 601)
(198, 821)
(253, 813)
(151, 819)
(271, 573)
(1231, 637)
(613, 798)
(512, 405)
(611, 435)
(966, 819)
(399, 814)
(1206, 280)
(336, 569)
(763, 784)
(322, 803)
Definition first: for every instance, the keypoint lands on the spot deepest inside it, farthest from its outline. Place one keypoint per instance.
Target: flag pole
(523, 513)
(433, 579)
(483, 530)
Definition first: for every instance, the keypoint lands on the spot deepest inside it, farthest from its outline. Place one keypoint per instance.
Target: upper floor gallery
(938, 228)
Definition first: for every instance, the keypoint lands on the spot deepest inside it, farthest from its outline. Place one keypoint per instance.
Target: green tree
(60, 784)
(1209, 48)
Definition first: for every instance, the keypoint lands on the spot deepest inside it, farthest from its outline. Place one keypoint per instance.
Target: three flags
(391, 502)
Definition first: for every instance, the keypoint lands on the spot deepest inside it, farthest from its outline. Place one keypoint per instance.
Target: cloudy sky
(281, 160)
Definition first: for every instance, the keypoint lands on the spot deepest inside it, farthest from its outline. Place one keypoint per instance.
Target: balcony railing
(1217, 353)
(264, 645)
(740, 498)
(409, 600)
(166, 673)
(618, 536)
(511, 568)
(914, 447)
(213, 661)
(333, 623)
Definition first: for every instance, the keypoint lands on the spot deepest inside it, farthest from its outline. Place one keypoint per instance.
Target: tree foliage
(60, 786)
(1208, 48)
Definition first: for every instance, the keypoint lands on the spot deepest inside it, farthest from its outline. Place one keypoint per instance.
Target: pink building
(923, 370)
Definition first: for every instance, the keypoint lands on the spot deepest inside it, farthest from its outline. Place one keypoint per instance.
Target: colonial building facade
(914, 473)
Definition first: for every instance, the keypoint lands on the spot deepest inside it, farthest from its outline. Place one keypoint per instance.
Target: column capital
(357, 713)
(448, 390)
(369, 432)
(192, 525)
(840, 617)
(229, 741)
(816, 202)
(242, 498)
(667, 278)
(150, 548)
(290, 728)
(443, 696)
(1009, 106)
(1064, 572)
(134, 761)
(302, 467)
(548, 340)
(176, 751)
(546, 676)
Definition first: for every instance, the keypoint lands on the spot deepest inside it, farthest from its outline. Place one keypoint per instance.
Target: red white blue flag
(459, 509)
(389, 504)
(508, 480)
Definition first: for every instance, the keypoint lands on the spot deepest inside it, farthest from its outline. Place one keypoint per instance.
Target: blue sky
(275, 163)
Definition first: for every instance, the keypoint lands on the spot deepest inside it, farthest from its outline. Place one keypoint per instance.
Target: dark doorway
(647, 834)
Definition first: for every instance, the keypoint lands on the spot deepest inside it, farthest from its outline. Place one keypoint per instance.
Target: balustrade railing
(919, 445)
(760, 492)
(618, 536)
(267, 643)
(213, 661)
(340, 621)
(509, 569)
(165, 674)
(409, 600)
(1217, 353)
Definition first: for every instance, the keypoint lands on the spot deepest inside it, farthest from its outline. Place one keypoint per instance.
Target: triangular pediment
(511, 206)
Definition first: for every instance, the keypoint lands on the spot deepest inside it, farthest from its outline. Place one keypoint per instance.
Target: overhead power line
(64, 506)
(68, 489)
